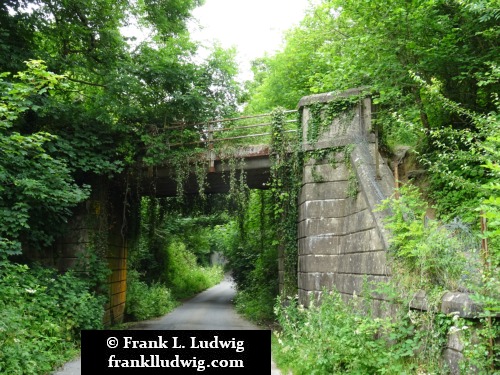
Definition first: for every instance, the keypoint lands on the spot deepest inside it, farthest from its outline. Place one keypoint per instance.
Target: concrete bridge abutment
(341, 241)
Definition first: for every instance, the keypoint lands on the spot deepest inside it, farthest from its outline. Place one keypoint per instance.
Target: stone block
(80, 222)
(118, 287)
(304, 297)
(316, 281)
(366, 112)
(118, 275)
(451, 359)
(368, 263)
(337, 159)
(343, 125)
(361, 241)
(460, 303)
(324, 173)
(281, 263)
(114, 315)
(419, 301)
(359, 221)
(323, 190)
(117, 263)
(328, 244)
(72, 249)
(371, 263)
(318, 263)
(337, 141)
(355, 205)
(330, 208)
(66, 263)
(117, 299)
(455, 341)
(325, 226)
(321, 245)
(358, 284)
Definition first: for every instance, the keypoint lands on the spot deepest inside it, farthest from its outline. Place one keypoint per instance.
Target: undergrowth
(339, 337)
(183, 278)
(42, 315)
(397, 327)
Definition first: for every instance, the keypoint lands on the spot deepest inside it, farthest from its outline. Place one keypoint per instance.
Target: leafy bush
(425, 248)
(42, 315)
(184, 276)
(256, 299)
(255, 304)
(147, 301)
(336, 337)
(181, 278)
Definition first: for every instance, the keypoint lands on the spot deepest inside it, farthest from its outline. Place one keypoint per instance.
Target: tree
(36, 189)
(114, 93)
(388, 46)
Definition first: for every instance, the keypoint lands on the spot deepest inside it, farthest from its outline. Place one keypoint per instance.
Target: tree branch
(86, 83)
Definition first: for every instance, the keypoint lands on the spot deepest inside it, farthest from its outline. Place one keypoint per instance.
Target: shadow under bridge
(224, 149)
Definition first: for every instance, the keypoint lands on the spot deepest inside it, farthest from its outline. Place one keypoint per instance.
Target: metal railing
(227, 130)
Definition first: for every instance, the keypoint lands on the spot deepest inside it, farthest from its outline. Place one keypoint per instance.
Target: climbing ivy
(286, 177)
(321, 116)
(334, 155)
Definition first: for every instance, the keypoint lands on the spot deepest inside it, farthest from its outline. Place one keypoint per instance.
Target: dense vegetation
(171, 260)
(80, 101)
(433, 70)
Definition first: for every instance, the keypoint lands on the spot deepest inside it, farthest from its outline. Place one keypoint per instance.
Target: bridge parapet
(347, 121)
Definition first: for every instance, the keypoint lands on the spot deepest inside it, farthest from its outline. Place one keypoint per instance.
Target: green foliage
(255, 298)
(42, 315)
(37, 190)
(430, 256)
(250, 248)
(483, 353)
(424, 247)
(170, 261)
(385, 45)
(183, 276)
(147, 301)
(337, 337)
(286, 172)
(322, 116)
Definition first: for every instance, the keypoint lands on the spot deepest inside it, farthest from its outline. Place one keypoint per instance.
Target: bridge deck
(253, 160)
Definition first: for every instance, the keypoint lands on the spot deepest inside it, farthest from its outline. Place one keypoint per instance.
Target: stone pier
(341, 241)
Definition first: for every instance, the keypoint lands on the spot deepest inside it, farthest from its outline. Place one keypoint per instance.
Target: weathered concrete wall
(341, 240)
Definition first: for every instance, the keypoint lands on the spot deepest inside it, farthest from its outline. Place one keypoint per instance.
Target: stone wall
(341, 239)
(96, 226)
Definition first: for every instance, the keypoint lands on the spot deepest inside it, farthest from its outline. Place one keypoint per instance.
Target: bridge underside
(256, 168)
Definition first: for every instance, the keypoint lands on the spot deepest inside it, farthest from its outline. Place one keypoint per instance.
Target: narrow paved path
(209, 310)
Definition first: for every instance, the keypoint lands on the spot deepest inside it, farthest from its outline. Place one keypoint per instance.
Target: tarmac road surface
(209, 310)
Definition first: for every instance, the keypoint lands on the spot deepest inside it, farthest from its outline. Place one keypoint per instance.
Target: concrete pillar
(341, 242)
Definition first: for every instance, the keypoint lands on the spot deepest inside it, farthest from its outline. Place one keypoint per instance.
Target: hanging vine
(200, 169)
(286, 176)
